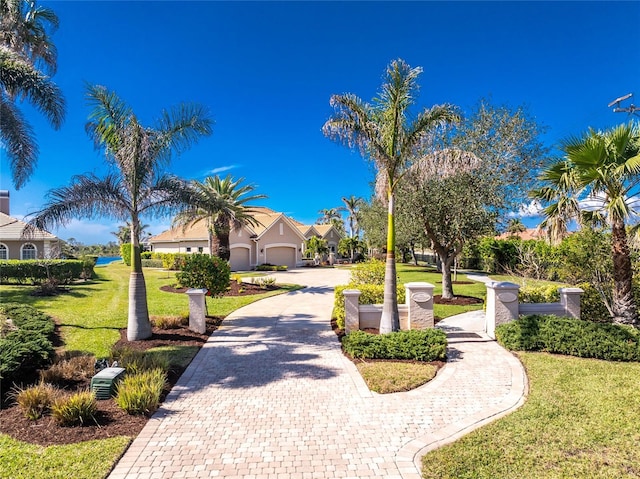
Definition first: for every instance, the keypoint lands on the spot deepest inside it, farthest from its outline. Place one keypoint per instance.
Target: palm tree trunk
(624, 307)
(138, 326)
(390, 320)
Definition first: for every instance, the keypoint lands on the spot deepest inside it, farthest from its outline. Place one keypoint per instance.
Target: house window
(4, 252)
(28, 251)
(200, 249)
(188, 249)
(281, 229)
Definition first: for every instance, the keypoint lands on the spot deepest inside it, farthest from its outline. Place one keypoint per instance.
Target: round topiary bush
(203, 271)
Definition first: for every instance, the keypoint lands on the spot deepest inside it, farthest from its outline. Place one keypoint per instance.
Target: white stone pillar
(502, 305)
(351, 310)
(570, 300)
(420, 305)
(197, 308)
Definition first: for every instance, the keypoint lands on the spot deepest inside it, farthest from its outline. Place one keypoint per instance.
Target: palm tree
(596, 183)
(352, 207)
(328, 216)
(387, 134)
(516, 226)
(136, 186)
(222, 204)
(25, 50)
(124, 233)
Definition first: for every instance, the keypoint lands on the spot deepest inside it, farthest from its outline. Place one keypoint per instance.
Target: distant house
(15, 245)
(278, 240)
(528, 234)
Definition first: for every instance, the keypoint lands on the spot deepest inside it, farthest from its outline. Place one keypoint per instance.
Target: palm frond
(17, 136)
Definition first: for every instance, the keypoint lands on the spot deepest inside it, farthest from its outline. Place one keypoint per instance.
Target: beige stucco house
(14, 245)
(278, 240)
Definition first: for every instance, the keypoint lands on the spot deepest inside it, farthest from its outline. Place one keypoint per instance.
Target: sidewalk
(270, 395)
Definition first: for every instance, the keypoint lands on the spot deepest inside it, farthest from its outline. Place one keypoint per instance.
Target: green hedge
(271, 267)
(25, 340)
(417, 345)
(574, 337)
(369, 294)
(35, 271)
(539, 294)
(204, 271)
(152, 263)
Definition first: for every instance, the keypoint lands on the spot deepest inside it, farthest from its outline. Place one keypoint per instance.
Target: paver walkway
(270, 395)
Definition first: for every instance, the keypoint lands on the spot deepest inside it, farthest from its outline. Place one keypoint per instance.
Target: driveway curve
(270, 395)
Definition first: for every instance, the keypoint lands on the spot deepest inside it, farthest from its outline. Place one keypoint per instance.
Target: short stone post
(197, 308)
(351, 310)
(502, 305)
(420, 305)
(570, 300)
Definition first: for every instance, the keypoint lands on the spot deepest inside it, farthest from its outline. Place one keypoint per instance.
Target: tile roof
(12, 229)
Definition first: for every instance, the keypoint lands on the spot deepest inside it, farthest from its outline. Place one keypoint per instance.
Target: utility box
(104, 383)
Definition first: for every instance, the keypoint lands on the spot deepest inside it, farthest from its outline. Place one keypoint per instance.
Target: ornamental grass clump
(69, 369)
(79, 409)
(135, 361)
(36, 400)
(140, 393)
(170, 322)
(418, 345)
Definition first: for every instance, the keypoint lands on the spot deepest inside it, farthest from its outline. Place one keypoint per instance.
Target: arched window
(28, 251)
(4, 251)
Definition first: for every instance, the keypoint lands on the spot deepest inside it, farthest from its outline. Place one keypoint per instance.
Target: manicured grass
(580, 421)
(525, 281)
(92, 314)
(85, 460)
(409, 273)
(391, 377)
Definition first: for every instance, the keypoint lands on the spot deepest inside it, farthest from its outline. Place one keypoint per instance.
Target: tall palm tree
(27, 56)
(352, 207)
(388, 135)
(136, 185)
(516, 226)
(328, 215)
(222, 204)
(597, 183)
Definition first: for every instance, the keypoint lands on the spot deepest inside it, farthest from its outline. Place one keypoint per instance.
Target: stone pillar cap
(197, 291)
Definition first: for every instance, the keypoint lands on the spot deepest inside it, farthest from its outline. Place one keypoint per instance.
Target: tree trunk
(221, 233)
(447, 284)
(390, 320)
(624, 307)
(138, 325)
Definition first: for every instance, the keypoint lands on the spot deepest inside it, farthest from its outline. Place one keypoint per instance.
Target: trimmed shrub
(264, 283)
(36, 271)
(417, 345)
(592, 306)
(125, 252)
(25, 343)
(140, 393)
(152, 263)
(174, 261)
(271, 267)
(571, 336)
(204, 271)
(75, 410)
(369, 272)
(539, 294)
(369, 294)
(146, 255)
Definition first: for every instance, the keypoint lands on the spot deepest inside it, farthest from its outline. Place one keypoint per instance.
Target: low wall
(503, 305)
(416, 313)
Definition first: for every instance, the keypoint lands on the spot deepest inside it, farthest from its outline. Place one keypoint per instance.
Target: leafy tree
(387, 133)
(598, 178)
(136, 184)
(27, 55)
(349, 246)
(222, 204)
(471, 177)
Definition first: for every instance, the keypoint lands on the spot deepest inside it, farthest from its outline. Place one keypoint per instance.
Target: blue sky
(266, 71)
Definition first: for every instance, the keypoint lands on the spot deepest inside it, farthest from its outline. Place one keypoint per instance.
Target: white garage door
(239, 259)
(281, 255)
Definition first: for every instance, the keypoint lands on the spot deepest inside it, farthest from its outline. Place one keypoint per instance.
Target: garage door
(281, 255)
(239, 259)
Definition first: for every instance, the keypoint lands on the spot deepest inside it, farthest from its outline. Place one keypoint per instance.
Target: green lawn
(91, 316)
(580, 421)
(408, 273)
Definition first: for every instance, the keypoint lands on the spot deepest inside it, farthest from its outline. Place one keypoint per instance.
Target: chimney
(4, 202)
